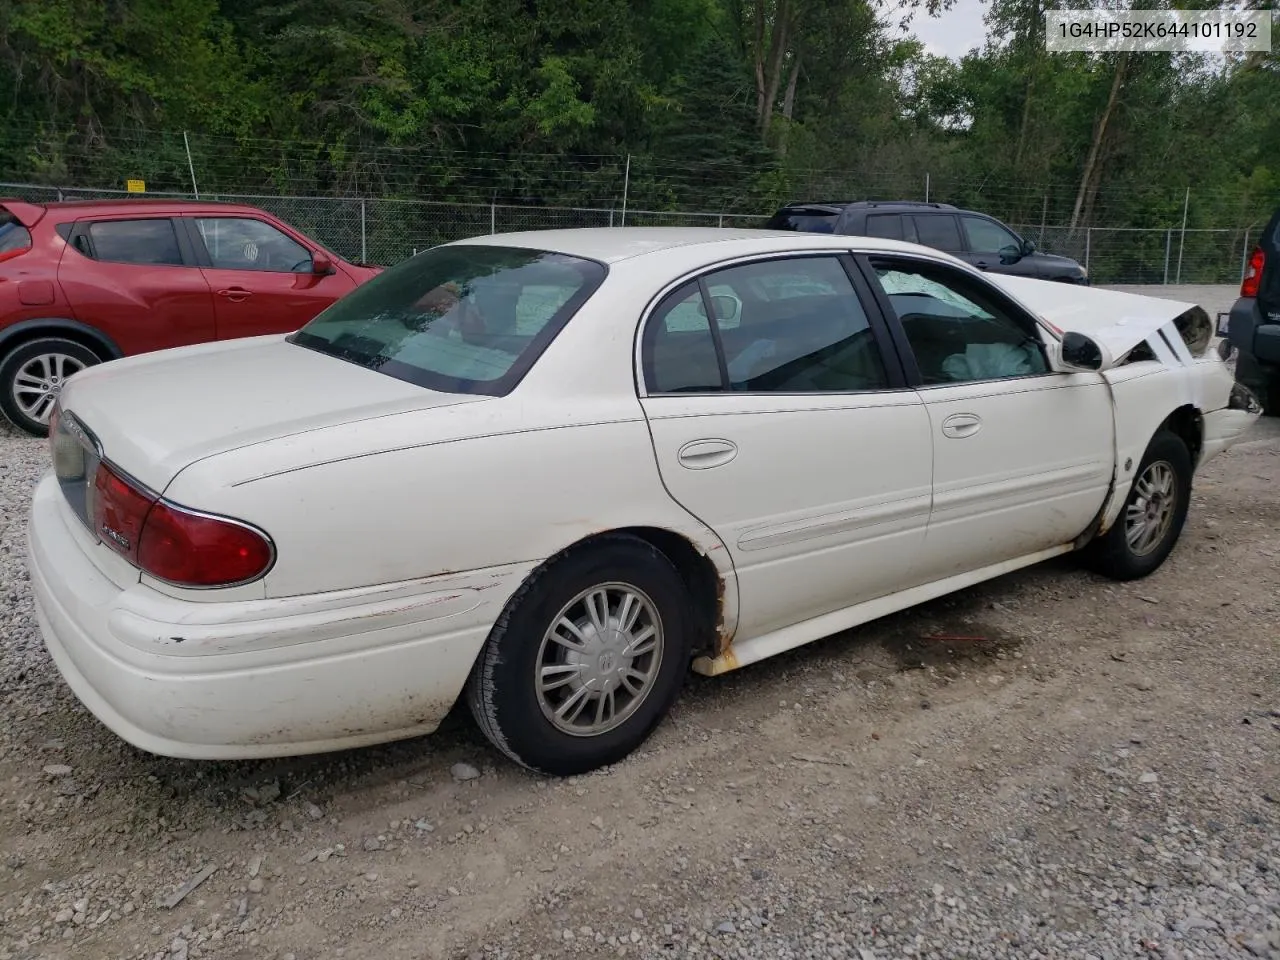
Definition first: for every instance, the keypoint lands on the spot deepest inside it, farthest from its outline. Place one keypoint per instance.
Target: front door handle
(961, 425)
(981, 265)
(236, 294)
(703, 454)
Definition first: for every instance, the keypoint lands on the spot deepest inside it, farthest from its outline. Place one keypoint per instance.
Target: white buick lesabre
(547, 471)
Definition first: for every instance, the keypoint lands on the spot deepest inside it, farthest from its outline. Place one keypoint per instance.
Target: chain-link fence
(385, 230)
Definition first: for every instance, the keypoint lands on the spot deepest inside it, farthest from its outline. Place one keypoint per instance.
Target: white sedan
(548, 471)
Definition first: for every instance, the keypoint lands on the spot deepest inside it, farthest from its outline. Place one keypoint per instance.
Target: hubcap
(599, 660)
(35, 389)
(1150, 511)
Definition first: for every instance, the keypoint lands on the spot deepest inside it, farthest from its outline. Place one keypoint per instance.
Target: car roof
(906, 204)
(614, 244)
(88, 208)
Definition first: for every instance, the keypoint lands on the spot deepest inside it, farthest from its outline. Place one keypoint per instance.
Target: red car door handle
(235, 294)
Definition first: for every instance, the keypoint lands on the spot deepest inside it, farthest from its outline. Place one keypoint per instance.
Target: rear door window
(471, 318)
(938, 230)
(152, 241)
(886, 225)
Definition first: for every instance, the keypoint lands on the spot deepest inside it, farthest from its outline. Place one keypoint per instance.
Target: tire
(1265, 383)
(505, 691)
(1116, 554)
(52, 359)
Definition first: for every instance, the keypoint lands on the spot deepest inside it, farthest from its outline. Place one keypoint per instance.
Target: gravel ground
(1094, 773)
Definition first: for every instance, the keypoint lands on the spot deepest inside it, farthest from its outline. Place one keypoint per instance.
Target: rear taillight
(198, 550)
(118, 510)
(171, 543)
(1253, 273)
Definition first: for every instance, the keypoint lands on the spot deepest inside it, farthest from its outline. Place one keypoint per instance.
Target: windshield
(458, 319)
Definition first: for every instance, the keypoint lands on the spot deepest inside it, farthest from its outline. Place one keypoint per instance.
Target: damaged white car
(549, 471)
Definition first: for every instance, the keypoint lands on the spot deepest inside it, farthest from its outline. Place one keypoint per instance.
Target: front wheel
(32, 375)
(586, 659)
(1153, 516)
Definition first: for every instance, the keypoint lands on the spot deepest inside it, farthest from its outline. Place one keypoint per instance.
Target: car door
(991, 246)
(780, 418)
(1022, 456)
(262, 279)
(135, 278)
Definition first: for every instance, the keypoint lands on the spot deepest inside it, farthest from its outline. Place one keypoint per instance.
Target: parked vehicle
(1253, 325)
(545, 471)
(976, 238)
(84, 282)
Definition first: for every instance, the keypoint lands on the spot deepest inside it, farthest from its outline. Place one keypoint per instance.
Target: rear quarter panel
(476, 487)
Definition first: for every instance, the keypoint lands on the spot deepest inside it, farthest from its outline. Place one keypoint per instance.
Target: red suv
(86, 282)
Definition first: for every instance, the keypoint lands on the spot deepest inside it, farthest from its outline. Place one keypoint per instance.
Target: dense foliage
(721, 105)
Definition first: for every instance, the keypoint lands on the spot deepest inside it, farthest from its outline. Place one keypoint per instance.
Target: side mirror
(1010, 254)
(1080, 352)
(321, 265)
(1028, 248)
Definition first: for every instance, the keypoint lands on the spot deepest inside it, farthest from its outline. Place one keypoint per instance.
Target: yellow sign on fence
(136, 186)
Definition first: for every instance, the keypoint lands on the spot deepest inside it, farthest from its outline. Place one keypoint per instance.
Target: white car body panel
(405, 519)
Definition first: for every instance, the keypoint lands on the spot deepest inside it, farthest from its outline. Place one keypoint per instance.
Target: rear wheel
(586, 659)
(1153, 516)
(32, 375)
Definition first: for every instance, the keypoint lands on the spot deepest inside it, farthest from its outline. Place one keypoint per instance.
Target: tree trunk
(789, 103)
(773, 71)
(1100, 131)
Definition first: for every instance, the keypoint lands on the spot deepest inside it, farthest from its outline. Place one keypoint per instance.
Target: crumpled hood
(1118, 321)
(156, 413)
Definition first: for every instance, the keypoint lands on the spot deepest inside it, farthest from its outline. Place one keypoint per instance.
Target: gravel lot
(1094, 773)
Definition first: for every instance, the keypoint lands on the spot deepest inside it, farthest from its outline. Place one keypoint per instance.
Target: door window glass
(938, 230)
(987, 236)
(782, 326)
(135, 241)
(242, 243)
(958, 331)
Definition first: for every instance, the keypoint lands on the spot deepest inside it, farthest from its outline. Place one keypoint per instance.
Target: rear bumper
(1252, 333)
(245, 679)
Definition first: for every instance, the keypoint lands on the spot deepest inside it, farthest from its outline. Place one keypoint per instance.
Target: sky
(956, 32)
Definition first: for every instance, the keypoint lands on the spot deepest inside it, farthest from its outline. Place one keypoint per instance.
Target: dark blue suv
(974, 237)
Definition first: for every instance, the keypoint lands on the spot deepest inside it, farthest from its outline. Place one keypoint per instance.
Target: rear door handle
(961, 425)
(703, 454)
(236, 294)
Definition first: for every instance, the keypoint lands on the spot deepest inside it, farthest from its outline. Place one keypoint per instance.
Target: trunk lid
(157, 413)
(1117, 321)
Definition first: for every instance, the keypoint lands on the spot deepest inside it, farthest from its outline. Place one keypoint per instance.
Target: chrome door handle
(236, 294)
(703, 454)
(961, 425)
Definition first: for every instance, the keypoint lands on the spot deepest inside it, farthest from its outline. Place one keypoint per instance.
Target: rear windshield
(13, 235)
(805, 221)
(458, 319)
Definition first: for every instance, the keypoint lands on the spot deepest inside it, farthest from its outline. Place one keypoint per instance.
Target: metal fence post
(926, 188)
(1182, 240)
(722, 220)
(626, 186)
(364, 237)
(1244, 254)
(1088, 244)
(493, 218)
(1168, 246)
